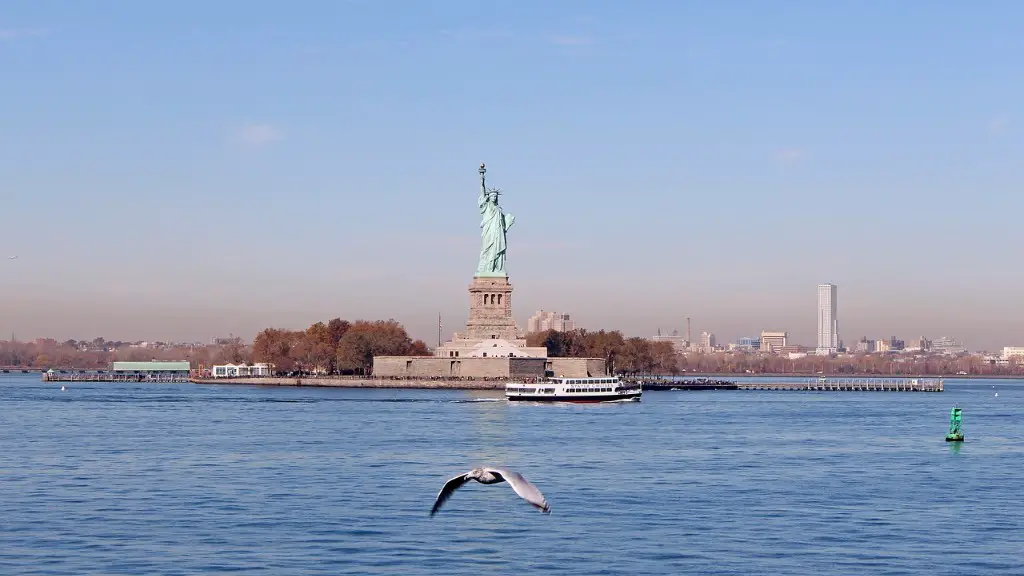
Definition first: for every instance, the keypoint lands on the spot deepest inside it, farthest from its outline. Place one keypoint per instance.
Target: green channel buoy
(956, 430)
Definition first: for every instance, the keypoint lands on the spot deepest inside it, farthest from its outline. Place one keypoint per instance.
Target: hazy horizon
(177, 173)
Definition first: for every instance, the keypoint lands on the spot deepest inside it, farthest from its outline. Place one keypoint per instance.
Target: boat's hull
(576, 398)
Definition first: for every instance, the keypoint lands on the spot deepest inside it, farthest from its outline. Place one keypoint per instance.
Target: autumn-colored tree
(418, 348)
(274, 346)
(635, 357)
(364, 340)
(320, 351)
(337, 328)
(606, 345)
(231, 354)
(664, 358)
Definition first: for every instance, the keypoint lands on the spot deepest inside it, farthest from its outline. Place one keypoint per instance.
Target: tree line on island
(624, 355)
(99, 353)
(342, 347)
(335, 347)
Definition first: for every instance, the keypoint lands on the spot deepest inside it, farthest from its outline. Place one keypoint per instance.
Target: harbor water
(130, 478)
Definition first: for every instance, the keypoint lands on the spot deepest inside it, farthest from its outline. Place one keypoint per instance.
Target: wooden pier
(112, 377)
(851, 385)
(688, 384)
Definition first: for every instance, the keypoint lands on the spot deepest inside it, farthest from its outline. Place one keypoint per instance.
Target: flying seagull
(521, 485)
(12, 257)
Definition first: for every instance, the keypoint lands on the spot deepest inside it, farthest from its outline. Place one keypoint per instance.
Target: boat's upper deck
(585, 381)
(608, 384)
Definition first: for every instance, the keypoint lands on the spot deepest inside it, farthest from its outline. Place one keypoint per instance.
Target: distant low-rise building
(543, 321)
(707, 342)
(921, 344)
(679, 343)
(772, 341)
(948, 346)
(1010, 352)
(791, 349)
(748, 343)
(865, 346)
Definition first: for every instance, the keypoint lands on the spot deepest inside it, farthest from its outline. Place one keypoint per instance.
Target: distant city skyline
(171, 171)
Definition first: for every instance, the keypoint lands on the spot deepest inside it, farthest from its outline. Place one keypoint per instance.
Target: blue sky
(176, 170)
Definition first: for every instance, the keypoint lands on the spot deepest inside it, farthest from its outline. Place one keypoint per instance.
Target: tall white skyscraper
(828, 323)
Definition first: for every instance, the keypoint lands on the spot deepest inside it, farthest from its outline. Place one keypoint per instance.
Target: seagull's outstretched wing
(449, 487)
(523, 488)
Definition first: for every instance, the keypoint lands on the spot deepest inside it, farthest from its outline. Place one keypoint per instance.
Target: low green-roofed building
(142, 367)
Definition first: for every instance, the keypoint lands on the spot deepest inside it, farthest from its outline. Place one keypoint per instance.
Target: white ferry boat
(603, 389)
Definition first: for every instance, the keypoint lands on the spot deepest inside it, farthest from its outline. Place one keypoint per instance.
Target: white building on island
(240, 370)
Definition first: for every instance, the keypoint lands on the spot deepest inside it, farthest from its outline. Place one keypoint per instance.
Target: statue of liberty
(493, 227)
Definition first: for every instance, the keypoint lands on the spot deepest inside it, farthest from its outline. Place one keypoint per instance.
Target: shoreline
(727, 375)
(684, 375)
(357, 383)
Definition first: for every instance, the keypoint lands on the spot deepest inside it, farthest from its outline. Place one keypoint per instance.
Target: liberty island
(492, 346)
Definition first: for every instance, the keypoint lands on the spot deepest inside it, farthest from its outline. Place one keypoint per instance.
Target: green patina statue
(493, 229)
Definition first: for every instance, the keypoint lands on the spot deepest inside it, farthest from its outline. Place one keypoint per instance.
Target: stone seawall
(359, 383)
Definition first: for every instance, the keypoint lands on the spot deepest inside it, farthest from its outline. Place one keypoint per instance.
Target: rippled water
(185, 479)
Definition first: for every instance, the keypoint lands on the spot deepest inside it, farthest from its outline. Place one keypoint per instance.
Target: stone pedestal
(490, 331)
(490, 310)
